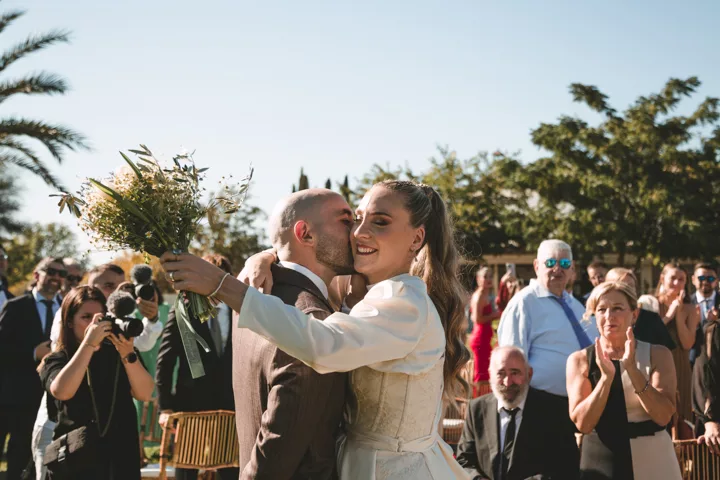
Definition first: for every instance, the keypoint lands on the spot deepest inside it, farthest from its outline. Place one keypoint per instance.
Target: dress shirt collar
(541, 291)
(39, 298)
(701, 299)
(520, 405)
(309, 274)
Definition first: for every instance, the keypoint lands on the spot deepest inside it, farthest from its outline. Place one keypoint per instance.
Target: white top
(505, 419)
(309, 274)
(223, 317)
(537, 323)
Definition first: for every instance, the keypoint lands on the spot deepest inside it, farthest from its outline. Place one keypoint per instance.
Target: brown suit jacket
(288, 415)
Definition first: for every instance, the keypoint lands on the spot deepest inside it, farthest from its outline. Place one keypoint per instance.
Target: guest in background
(649, 327)
(5, 294)
(544, 321)
(509, 286)
(213, 391)
(75, 274)
(502, 429)
(705, 281)
(25, 323)
(93, 384)
(622, 395)
(482, 315)
(681, 320)
(706, 389)
(596, 274)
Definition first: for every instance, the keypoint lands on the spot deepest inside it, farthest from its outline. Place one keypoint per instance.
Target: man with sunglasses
(705, 280)
(75, 274)
(546, 322)
(25, 324)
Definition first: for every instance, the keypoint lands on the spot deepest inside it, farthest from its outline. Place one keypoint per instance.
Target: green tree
(9, 205)
(645, 182)
(35, 242)
(15, 131)
(485, 211)
(235, 236)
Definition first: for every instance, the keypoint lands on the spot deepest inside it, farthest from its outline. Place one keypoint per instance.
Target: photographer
(93, 385)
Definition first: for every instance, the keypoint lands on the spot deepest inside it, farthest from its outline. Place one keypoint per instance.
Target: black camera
(141, 276)
(120, 306)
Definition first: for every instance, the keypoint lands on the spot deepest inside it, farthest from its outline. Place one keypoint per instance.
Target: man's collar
(39, 298)
(520, 405)
(541, 291)
(701, 298)
(309, 274)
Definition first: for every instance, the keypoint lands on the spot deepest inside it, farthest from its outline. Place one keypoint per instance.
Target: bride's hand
(256, 271)
(191, 273)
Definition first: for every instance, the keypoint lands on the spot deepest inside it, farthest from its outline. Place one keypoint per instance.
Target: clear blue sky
(336, 86)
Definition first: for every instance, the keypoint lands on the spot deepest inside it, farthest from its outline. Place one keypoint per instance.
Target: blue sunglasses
(565, 263)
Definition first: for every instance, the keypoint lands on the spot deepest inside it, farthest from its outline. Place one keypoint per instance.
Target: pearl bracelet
(212, 295)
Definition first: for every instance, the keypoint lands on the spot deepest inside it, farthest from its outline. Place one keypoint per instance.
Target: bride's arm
(386, 325)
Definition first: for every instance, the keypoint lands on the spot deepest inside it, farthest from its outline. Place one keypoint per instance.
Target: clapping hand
(603, 361)
(711, 437)
(628, 359)
(675, 305)
(712, 315)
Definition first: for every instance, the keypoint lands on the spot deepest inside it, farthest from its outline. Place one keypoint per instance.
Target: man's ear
(302, 233)
(530, 373)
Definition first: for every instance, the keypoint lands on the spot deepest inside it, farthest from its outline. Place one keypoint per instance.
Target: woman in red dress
(482, 315)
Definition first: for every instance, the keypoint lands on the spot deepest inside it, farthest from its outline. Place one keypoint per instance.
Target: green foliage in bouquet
(149, 208)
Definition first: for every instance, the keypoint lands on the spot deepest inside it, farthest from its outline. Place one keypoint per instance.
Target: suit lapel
(492, 432)
(291, 277)
(33, 312)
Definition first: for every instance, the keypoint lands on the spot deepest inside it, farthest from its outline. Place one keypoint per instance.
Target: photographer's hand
(149, 308)
(96, 332)
(123, 345)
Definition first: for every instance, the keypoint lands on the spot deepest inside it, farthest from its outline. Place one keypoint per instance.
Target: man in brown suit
(288, 415)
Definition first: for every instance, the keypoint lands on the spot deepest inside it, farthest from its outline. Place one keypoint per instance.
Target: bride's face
(383, 240)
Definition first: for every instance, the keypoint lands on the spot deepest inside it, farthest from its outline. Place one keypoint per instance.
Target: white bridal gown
(393, 343)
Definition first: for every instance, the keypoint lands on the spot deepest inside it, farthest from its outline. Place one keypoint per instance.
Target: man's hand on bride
(256, 271)
(191, 273)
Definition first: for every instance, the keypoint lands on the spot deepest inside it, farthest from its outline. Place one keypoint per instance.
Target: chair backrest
(201, 440)
(697, 462)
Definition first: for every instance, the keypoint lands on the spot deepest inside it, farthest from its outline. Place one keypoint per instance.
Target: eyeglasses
(708, 278)
(52, 272)
(565, 263)
(74, 278)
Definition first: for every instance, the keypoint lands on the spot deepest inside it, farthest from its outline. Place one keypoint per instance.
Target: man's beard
(510, 397)
(707, 290)
(335, 255)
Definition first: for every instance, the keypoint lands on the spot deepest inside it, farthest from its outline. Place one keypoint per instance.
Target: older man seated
(508, 433)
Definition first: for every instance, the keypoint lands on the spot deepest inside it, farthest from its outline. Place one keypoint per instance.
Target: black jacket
(534, 453)
(21, 331)
(213, 391)
(699, 333)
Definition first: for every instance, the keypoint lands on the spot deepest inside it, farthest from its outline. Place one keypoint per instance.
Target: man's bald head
(306, 205)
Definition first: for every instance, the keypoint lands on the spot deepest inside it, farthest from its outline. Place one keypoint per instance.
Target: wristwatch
(130, 358)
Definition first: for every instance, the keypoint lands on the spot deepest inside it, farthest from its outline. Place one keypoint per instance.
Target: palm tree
(14, 131)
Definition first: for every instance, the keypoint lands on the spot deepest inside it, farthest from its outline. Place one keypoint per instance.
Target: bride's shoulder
(399, 285)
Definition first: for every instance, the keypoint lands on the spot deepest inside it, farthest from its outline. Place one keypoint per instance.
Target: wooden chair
(697, 462)
(453, 421)
(202, 440)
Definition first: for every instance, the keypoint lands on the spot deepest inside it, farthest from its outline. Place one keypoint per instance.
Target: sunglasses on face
(74, 278)
(52, 272)
(709, 278)
(565, 263)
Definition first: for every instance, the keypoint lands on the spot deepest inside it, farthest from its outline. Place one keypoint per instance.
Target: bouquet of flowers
(151, 208)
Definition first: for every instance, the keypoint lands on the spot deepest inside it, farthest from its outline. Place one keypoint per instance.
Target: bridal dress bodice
(393, 343)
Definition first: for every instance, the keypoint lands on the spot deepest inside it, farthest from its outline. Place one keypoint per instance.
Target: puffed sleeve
(386, 325)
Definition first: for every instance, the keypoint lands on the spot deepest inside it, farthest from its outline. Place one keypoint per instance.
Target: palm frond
(43, 83)
(54, 137)
(40, 169)
(32, 44)
(7, 18)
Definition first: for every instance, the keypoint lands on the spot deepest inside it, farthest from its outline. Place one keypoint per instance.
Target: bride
(402, 342)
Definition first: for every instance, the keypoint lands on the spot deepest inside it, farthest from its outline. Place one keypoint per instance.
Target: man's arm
(149, 336)
(297, 401)
(514, 328)
(466, 451)
(170, 348)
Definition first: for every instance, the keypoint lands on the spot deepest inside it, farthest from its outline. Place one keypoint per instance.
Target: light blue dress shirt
(42, 308)
(537, 323)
